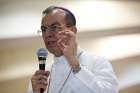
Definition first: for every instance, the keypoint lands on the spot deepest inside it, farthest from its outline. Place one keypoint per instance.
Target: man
(73, 70)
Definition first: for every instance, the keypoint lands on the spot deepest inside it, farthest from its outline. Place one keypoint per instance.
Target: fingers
(47, 73)
(62, 45)
(38, 72)
(65, 36)
(62, 42)
(41, 76)
(39, 80)
(67, 32)
(42, 72)
(42, 82)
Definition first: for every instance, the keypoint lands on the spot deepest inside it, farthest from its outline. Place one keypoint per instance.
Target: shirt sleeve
(99, 79)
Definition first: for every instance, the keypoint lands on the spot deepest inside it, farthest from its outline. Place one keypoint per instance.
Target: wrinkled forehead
(56, 16)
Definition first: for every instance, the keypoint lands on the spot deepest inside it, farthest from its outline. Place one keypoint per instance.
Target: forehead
(56, 17)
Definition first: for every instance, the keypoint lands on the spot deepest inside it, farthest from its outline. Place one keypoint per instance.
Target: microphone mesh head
(42, 52)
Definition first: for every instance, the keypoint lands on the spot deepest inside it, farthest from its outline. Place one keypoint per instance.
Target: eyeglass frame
(59, 28)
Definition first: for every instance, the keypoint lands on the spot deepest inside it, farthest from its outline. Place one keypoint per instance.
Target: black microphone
(42, 54)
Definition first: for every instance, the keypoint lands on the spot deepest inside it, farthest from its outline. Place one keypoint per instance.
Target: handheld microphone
(42, 54)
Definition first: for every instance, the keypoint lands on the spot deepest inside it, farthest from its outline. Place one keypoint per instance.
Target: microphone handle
(41, 90)
(41, 67)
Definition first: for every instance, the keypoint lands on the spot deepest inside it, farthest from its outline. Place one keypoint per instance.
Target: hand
(68, 45)
(39, 80)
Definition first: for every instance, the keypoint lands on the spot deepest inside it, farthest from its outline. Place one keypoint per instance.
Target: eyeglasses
(44, 29)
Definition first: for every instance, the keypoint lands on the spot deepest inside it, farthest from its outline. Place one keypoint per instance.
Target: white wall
(116, 37)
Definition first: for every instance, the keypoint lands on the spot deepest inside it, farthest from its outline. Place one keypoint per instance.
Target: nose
(50, 34)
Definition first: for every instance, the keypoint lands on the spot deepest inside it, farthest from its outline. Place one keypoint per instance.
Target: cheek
(44, 39)
(43, 36)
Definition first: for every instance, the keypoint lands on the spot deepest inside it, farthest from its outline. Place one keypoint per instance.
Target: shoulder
(85, 56)
(93, 61)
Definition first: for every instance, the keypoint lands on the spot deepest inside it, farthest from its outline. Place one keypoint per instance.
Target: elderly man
(73, 70)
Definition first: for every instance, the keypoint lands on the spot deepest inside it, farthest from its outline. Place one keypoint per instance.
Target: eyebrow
(54, 24)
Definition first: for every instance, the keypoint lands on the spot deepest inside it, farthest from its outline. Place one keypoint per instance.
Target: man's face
(53, 22)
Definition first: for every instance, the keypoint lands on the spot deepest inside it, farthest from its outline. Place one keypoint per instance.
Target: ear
(73, 29)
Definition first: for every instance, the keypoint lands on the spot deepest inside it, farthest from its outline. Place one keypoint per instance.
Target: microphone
(42, 54)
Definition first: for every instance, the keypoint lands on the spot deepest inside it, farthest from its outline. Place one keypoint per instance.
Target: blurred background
(109, 28)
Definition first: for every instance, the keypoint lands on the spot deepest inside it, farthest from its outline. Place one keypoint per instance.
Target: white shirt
(96, 76)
